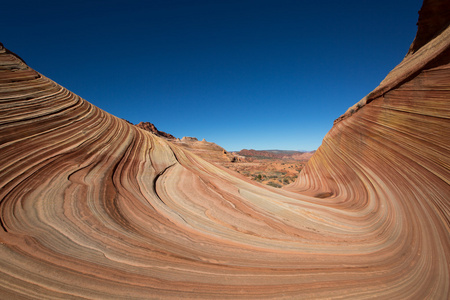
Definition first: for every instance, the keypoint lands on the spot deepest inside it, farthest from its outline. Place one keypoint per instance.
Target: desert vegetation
(270, 171)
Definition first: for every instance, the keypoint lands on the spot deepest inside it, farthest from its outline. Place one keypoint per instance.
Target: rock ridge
(152, 128)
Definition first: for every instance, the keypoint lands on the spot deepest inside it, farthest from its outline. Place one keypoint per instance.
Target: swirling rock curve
(92, 207)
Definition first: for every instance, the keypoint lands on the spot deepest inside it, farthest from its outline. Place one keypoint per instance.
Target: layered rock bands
(92, 207)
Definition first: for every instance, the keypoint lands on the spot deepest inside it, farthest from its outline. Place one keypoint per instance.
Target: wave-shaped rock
(93, 207)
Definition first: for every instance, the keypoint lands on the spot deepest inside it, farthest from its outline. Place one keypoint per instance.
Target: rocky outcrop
(207, 150)
(188, 139)
(430, 48)
(152, 128)
(92, 207)
(434, 18)
(387, 165)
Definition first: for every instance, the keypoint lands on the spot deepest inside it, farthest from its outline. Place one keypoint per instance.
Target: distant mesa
(277, 154)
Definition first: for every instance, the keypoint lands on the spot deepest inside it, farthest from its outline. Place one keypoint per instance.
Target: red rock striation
(207, 150)
(434, 17)
(152, 128)
(430, 48)
(92, 207)
(387, 166)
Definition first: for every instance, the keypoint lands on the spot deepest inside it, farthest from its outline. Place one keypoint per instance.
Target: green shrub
(274, 184)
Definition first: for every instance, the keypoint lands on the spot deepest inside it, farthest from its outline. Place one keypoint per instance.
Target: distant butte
(92, 207)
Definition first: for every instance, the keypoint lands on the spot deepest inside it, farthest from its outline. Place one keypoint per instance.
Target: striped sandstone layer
(92, 207)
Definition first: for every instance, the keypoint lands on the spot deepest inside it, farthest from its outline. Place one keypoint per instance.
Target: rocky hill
(206, 150)
(152, 128)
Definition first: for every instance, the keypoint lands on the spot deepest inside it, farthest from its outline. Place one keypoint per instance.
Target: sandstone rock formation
(92, 207)
(152, 128)
(207, 150)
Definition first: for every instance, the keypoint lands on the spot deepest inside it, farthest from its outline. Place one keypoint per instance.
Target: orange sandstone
(92, 207)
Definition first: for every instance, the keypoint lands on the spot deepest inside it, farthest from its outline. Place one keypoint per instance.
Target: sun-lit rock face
(93, 207)
(150, 127)
(386, 166)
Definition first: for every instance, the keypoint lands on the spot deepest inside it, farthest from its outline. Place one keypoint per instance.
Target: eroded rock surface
(92, 207)
(152, 128)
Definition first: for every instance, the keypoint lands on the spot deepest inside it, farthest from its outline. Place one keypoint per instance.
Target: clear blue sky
(261, 74)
